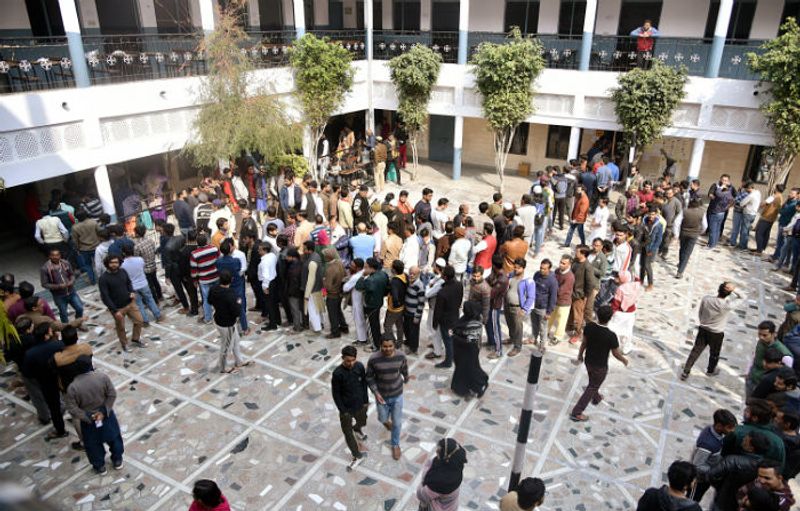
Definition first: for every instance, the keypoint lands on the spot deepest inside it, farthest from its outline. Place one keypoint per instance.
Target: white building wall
(15, 16)
(767, 19)
(684, 18)
(607, 17)
(485, 16)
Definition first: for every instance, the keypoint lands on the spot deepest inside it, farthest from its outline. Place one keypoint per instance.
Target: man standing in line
(521, 292)
(357, 300)
(785, 216)
(566, 281)
(203, 264)
(333, 283)
(743, 219)
(170, 258)
(116, 291)
(57, 276)
(134, 267)
(249, 245)
(598, 341)
(578, 217)
(623, 253)
(145, 248)
(422, 209)
(387, 372)
(349, 389)
(713, 315)
(544, 303)
(183, 212)
(84, 234)
(670, 211)
(311, 281)
(769, 213)
(445, 315)
(721, 199)
(396, 302)
(693, 225)
(581, 290)
(498, 283)
(414, 305)
(266, 275)
(225, 300)
(90, 398)
(234, 266)
(36, 366)
(373, 284)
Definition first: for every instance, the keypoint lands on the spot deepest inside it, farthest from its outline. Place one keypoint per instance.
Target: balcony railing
(44, 63)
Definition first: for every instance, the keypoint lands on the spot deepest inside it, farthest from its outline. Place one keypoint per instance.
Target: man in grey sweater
(90, 398)
(713, 315)
(387, 372)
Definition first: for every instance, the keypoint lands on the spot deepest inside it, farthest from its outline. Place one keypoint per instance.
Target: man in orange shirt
(578, 217)
(513, 249)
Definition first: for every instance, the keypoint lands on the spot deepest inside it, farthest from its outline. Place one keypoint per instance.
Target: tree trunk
(412, 140)
(779, 171)
(312, 135)
(502, 145)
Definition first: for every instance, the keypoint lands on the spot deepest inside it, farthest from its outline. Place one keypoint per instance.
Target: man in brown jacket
(514, 249)
(33, 311)
(380, 164)
(84, 235)
(585, 284)
(390, 249)
(332, 281)
(578, 217)
(480, 292)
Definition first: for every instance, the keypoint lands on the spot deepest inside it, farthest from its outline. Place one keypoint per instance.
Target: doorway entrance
(440, 138)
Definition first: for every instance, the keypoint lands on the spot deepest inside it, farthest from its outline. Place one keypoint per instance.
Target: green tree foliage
(504, 75)
(322, 78)
(414, 74)
(237, 116)
(779, 67)
(296, 163)
(646, 99)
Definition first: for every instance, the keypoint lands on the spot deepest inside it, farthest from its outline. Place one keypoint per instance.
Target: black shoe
(344, 330)
(269, 328)
(77, 446)
(333, 336)
(713, 372)
(443, 365)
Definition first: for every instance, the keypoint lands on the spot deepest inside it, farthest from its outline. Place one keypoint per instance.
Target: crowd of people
(311, 250)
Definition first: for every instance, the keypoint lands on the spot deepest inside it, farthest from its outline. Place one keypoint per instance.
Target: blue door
(440, 138)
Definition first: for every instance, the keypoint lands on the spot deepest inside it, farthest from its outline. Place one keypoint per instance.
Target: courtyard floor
(270, 434)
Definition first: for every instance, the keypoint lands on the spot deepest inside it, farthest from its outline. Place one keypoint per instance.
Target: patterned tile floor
(270, 435)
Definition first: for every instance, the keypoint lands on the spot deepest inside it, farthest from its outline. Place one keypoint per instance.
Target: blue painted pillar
(588, 34)
(720, 33)
(458, 129)
(72, 27)
(299, 18)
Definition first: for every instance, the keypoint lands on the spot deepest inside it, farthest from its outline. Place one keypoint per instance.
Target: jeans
(448, 345)
(346, 420)
(705, 338)
(646, 264)
(296, 306)
(538, 325)
(393, 408)
(597, 376)
(514, 322)
(538, 237)
(686, 247)
(779, 241)
(94, 438)
(155, 286)
(572, 228)
(763, 228)
(207, 311)
(86, 264)
(494, 334)
(145, 300)
(741, 229)
(714, 228)
(561, 205)
(787, 254)
(62, 301)
(239, 290)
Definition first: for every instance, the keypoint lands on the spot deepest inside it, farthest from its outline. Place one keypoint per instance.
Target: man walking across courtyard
(349, 389)
(387, 372)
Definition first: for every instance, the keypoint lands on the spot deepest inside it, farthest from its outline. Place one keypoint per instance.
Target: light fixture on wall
(163, 94)
(65, 106)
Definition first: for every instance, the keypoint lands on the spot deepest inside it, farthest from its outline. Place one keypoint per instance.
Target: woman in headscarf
(443, 474)
(624, 305)
(468, 377)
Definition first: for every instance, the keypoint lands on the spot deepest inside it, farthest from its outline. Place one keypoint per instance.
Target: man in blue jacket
(545, 303)
(654, 225)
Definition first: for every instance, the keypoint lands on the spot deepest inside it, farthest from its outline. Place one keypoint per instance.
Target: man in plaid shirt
(145, 248)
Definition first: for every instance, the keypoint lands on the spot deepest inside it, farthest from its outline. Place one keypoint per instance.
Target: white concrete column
(425, 13)
(253, 15)
(720, 33)
(368, 27)
(589, 20)
(299, 18)
(386, 15)
(147, 16)
(207, 15)
(72, 28)
(574, 143)
(104, 192)
(696, 160)
(458, 144)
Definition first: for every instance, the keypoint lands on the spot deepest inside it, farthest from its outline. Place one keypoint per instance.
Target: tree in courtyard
(414, 74)
(322, 78)
(646, 100)
(237, 115)
(779, 66)
(504, 74)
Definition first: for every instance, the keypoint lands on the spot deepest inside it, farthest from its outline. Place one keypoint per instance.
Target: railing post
(458, 128)
(588, 34)
(299, 18)
(720, 33)
(72, 27)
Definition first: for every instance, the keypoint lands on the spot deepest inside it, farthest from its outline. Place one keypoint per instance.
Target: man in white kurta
(357, 300)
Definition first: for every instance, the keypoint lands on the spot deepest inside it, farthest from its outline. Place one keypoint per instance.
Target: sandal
(232, 370)
(246, 364)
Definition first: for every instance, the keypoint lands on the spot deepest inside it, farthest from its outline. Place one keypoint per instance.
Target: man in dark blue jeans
(57, 277)
(90, 398)
(721, 198)
(234, 266)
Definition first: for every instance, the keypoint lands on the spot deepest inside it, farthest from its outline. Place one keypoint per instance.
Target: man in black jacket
(183, 211)
(445, 314)
(249, 246)
(349, 388)
(736, 470)
(170, 258)
(185, 270)
(672, 497)
(36, 365)
(117, 294)
(227, 307)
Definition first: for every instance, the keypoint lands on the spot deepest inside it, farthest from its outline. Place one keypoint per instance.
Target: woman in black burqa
(468, 377)
(443, 474)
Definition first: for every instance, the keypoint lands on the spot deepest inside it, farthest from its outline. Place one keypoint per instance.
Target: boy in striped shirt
(203, 264)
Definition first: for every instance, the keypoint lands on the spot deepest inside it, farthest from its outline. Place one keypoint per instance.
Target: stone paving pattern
(270, 435)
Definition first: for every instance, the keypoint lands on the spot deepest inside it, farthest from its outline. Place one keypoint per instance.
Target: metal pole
(525, 418)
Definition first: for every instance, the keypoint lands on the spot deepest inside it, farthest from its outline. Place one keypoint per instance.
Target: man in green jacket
(766, 339)
(374, 284)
